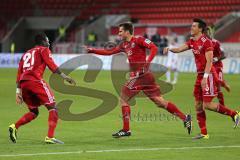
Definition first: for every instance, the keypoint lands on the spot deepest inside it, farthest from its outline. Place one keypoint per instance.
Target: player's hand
(165, 50)
(89, 49)
(70, 80)
(19, 99)
(204, 83)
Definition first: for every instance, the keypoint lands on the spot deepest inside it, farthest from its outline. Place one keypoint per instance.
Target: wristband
(205, 75)
(18, 90)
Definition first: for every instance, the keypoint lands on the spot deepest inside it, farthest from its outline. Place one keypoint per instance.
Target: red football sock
(28, 117)
(172, 108)
(126, 112)
(226, 111)
(52, 122)
(201, 118)
(220, 98)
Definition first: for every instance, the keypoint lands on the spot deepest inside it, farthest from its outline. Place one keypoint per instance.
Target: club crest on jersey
(195, 51)
(129, 52)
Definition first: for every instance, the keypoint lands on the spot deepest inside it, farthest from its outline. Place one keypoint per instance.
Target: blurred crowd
(160, 41)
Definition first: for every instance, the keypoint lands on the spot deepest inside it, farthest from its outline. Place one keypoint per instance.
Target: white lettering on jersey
(28, 59)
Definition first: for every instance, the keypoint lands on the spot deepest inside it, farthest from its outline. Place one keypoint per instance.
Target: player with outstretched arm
(205, 88)
(141, 79)
(33, 90)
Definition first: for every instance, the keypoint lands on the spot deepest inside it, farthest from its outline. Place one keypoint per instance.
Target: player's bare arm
(65, 77)
(19, 99)
(209, 59)
(176, 50)
(46, 55)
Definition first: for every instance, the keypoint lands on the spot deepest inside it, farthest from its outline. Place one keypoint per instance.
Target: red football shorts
(145, 82)
(36, 93)
(205, 94)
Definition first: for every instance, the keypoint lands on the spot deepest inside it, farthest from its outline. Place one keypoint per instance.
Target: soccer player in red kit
(218, 56)
(141, 79)
(206, 83)
(33, 90)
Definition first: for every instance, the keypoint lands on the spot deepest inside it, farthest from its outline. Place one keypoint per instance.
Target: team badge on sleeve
(147, 41)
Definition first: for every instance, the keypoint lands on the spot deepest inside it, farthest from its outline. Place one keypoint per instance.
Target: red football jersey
(217, 52)
(33, 64)
(199, 48)
(135, 50)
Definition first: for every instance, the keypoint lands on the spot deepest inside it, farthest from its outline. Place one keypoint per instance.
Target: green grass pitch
(151, 139)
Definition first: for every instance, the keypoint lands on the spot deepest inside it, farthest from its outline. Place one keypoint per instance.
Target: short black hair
(40, 38)
(127, 26)
(201, 24)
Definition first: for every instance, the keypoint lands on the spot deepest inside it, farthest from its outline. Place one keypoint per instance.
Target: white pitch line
(116, 150)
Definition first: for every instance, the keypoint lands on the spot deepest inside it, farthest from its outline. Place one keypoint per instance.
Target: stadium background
(70, 24)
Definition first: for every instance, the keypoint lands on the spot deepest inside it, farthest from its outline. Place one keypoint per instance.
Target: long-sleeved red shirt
(33, 64)
(135, 50)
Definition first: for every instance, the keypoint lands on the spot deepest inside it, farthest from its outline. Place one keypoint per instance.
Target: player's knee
(50, 107)
(206, 105)
(160, 102)
(123, 101)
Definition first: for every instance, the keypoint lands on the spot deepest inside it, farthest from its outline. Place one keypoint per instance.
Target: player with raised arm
(141, 79)
(206, 83)
(33, 90)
